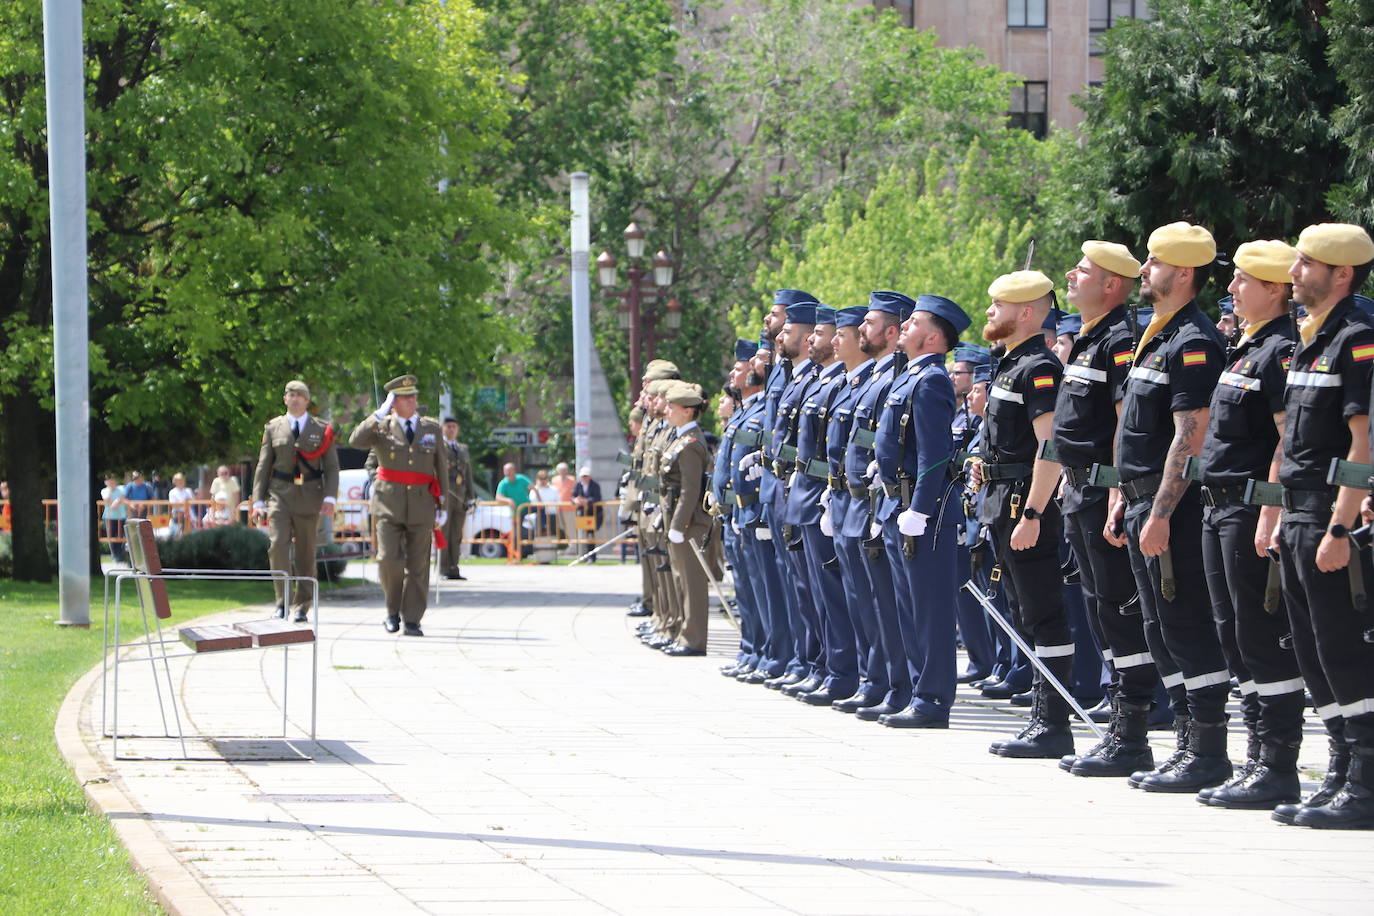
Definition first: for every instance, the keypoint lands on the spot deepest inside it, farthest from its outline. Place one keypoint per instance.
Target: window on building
(1026, 14)
(1103, 14)
(1030, 108)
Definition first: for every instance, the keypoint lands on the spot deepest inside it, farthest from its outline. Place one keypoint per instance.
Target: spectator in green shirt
(514, 489)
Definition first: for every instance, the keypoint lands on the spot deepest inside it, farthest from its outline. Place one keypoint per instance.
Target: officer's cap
(1020, 286)
(802, 313)
(297, 385)
(944, 308)
(659, 369)
(745, 349)
(791, 297)
(1267, 260)
(825, 314)
(1183, 245)
(685, 394)
(982, 373)
(1226, 305)
(1069, 324)
(885, 300)
(850, 317)
(1052, 319)
(972, 354)
(1112, 256)
(1337, 244)
(403, 384)
(659, 386)
(766, 343)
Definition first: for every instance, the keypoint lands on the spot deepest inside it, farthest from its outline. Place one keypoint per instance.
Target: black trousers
(1270, 683)
(1035, 584)
(1328, 633)
(1190, 647)
(1108, 585)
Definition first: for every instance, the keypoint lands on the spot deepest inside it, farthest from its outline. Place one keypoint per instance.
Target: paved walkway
(529, 756)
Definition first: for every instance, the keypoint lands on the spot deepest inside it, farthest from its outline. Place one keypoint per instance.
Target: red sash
(416, 477)
(328, 441)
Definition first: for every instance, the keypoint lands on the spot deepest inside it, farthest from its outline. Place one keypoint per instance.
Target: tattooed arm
(1190, 428)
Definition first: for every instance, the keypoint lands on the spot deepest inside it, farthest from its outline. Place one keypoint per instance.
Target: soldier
(298, 475)
(407, 500)
(644, 493)
(740, 388)
(683, 470)
(913, 451)
(1018, 508)
(458, 498)
(1243, 429)
(1164, 415)
(662, 629)
(1327, 418)
(973, 624)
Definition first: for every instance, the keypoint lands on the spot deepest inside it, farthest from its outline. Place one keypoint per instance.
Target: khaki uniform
(659, 581)
(683, 468)
(404, 513)
(458, 496)
(294, 489)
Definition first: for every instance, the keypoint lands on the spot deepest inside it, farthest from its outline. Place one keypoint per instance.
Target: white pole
(581, 322)
(67, 196)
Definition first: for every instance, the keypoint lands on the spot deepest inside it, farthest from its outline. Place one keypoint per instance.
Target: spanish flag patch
(1047, 381)
(1362, 352)
(1194, 357)
(1122, 358)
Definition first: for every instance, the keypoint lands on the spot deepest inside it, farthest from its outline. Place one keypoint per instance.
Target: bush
(7, 552)
(233, 547)
(326, 569)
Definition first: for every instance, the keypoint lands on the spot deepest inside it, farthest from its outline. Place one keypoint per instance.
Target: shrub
(7, 551)
(232, 547)
(328, 567)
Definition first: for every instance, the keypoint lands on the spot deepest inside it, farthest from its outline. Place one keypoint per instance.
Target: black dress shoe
(785, 679)
(824, 696)
(392, 624)
(638, 611)
(803, 686)
(679, 651)
(730, 670)
(413, 629)
(301, 617)
(1021, 699)
(455, 575)
(281, 611)
(912, 718)
(969, 677)
(757, 676)
(873, 713)
(1004, 691)
(862, 699)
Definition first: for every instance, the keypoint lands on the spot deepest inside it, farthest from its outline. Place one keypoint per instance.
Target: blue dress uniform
(858, 521)
(914, 449)
(973, 624)
(849, 551)
(808, 483)
(1176, 369)
(748, 604)
(1241, 438)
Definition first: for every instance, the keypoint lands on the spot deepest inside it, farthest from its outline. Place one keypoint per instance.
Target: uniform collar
(1103, 322)
(925, 359)
(832, 370)
(1331, 318)
(858, 371)
(885, 363)
(750, 399)
(1160, 323)
(1025, 345)
(801, 367)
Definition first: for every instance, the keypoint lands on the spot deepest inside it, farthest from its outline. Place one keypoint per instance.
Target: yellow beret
(1020, 286)
(297, 385)
(1337, 244)
(1183, 245)
(403, 384)
(1112, 256)
(660, 369)
(685, 394)
(1267, 260)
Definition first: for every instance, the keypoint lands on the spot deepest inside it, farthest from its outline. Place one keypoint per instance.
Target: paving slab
(530, 756)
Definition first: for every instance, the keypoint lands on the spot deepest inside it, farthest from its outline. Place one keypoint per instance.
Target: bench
(149, 579)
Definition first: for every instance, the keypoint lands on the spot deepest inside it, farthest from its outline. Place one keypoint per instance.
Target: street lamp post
(634, 316)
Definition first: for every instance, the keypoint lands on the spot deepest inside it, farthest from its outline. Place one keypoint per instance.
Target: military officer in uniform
(458, 497)
(742, 393)
(682, 470)
(973, 624)
(407, 499)
(297, 476)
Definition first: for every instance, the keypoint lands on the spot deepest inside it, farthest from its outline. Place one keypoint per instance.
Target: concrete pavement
(529, 756)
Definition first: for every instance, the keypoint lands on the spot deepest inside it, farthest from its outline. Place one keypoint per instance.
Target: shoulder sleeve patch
(1043, 381)
(1194, 357)
(1362, 352)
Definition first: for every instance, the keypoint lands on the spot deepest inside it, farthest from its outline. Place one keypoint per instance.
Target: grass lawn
(55, 855)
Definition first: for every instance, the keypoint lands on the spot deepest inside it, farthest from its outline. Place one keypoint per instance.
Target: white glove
(385, 409)
(792, 481)
(260, 506)
(825, 498)
(329, 500)
(871, 472)
(734, 524)
(827, 526)
(754, 472)
(749, 460)
(762, 533)
(676, 536)
(875, 529)
(440, 518)
(623, 515)
(912, 523)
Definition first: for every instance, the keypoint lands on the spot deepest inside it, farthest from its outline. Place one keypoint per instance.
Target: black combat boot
(1252, 757)
(1352, 808)
(1068, 760)
(1048, 735)
(1126, 749)
(1204, 763)
(1181, 727)
(1337, 765)
(1271, 780)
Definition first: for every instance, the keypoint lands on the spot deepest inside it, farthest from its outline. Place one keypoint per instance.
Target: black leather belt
(1142, 487)
(746, 499)
(858, 492)
(1221, 497)
(1308, 500)
(1006, 471)
(308, 474)
(1079, 477)
(839, 482)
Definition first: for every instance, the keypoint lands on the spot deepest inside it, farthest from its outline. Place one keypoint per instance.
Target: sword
(591, 553)
(1035, 659)
(720, 590)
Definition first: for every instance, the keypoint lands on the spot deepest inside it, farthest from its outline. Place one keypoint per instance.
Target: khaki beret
(1183, 245)
(1112, 256)
(1337, 244)
(684, 394)
(297, 385)
(660, 369)
(636, 414)
(403, 384)
(1020, 286)
(1267, 260)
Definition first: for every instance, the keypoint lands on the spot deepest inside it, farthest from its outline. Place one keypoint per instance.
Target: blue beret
(850, 317)
(982, 373)
(944, 308)
(802, 313)
(1070, 324)
(745, 349)
(1052, 319)
(885, 300)
(972, 353)
(766, 343)
(825, 314)
(791, 297)
(1227, 304)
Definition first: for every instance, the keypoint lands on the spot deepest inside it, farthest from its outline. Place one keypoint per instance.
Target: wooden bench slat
(214, 638)
(273, 632)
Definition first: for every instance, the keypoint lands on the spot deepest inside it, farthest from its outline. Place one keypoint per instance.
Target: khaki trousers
(453, 534)
(287, 532)
(691, 583)
(403, 567)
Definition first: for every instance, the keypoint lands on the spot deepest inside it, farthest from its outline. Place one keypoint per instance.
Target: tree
(263, 182)
(1351, 25)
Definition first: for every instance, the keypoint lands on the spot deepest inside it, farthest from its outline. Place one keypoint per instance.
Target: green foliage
(230, 547)
(1351, 25)
(329, 567)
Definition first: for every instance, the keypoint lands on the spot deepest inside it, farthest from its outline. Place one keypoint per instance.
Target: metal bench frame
(149, 579)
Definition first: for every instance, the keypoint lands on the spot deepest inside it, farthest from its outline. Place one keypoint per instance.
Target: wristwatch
(1338, 531)
(1031, 513)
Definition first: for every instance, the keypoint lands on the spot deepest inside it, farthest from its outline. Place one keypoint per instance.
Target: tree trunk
(24, 422)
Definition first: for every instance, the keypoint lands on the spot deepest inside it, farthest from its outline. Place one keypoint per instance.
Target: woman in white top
(179, 496)
(545, 492)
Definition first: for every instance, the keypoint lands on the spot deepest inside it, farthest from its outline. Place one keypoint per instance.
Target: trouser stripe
(1247, 687)
(1135, 661)
(1207, 680)
(1279, 688)
(1172, 680)
(1054, 651)
(1358, 708)
(1329, 711)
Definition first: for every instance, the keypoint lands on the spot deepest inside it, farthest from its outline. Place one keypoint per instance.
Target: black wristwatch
(1338, 531)
(1032, 513)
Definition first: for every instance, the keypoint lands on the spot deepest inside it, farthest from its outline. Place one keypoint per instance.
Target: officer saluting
(1327, 408)
(298, 474)
(407, 500)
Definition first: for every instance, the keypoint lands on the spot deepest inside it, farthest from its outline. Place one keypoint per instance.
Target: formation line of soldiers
(1161, 511)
